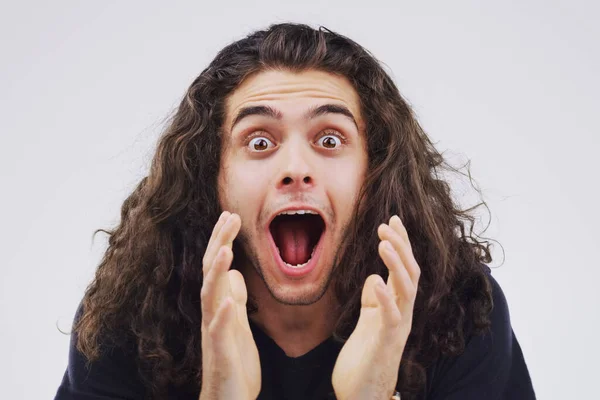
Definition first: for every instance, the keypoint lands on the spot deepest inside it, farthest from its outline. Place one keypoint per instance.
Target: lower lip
(297, 272)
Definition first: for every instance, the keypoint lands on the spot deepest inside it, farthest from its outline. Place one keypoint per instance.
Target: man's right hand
(230, 362)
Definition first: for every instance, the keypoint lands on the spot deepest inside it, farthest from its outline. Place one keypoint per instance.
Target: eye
(260, 143)
(330, 141)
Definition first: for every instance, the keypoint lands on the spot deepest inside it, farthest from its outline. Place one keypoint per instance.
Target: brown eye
(330, 142)
(259, 144)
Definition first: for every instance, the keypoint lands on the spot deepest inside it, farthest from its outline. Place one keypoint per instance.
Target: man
(293, 241)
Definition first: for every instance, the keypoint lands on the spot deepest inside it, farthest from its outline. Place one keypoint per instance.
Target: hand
(230, 362)
(367, 366)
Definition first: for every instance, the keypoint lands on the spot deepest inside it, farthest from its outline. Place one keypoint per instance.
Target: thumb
(239, 293)
(369, 296)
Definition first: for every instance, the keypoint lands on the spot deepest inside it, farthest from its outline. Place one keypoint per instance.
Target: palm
(246, 352)
(361, 351)
(367, 367)
(230, 362)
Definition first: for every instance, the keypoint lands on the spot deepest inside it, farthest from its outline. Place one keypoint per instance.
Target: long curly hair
(146, 289)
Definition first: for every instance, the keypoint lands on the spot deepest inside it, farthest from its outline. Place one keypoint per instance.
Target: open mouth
(296, 235)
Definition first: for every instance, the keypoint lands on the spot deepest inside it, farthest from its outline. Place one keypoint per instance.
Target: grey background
(512, 86)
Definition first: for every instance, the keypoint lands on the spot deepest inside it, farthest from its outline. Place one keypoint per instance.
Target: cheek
(344, 181)
(244, 186)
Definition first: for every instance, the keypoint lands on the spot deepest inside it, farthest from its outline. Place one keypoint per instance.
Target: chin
(298, 294)
(294, 252)
(300, 289)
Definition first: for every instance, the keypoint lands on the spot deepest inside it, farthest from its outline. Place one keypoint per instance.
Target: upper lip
(297, 207)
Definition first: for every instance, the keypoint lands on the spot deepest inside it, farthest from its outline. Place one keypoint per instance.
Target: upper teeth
(291, 212)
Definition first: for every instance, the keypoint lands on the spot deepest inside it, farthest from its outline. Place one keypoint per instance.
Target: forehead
(288, 90)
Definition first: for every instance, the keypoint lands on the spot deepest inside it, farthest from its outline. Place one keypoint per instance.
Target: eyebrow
(313, 112)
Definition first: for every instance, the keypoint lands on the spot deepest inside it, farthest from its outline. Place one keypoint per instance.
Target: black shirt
(492, 367)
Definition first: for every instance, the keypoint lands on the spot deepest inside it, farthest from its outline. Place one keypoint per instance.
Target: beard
(249, 258)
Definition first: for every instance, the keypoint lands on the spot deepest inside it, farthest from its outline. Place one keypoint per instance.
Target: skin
(298, 313)
(367, 366)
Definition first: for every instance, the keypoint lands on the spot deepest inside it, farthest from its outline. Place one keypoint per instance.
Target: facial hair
(248, 257)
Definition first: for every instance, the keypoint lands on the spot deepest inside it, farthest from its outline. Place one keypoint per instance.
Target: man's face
(284, 152)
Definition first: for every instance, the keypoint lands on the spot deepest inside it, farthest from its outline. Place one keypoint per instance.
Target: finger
(390, 313)
(216, 229)
(215, 286)
(407, 255)
(399, 279)
(397, 225)
(225, 237)
(220, 222)
(385, 232)
(230, 230)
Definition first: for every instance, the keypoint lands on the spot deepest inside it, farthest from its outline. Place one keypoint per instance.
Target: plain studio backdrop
(511, 86)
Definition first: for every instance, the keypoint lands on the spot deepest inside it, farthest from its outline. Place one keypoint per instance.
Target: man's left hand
(367, 366)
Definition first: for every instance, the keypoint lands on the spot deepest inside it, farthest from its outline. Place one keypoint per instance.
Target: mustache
(305, 198)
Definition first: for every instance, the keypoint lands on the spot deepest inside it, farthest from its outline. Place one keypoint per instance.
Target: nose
(296, 173)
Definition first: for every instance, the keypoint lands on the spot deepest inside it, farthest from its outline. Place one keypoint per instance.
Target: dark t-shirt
(492, 367)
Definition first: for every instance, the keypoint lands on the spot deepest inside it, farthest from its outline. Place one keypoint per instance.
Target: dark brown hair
(146, 289)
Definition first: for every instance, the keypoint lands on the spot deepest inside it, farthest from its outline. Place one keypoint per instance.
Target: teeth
(297, 266)
(300, 212)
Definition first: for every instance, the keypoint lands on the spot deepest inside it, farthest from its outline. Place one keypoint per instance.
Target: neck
(295, 329)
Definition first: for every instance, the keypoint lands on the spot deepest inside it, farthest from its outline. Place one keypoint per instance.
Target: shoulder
(501, 328)
(113, 374)
(491, 365)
